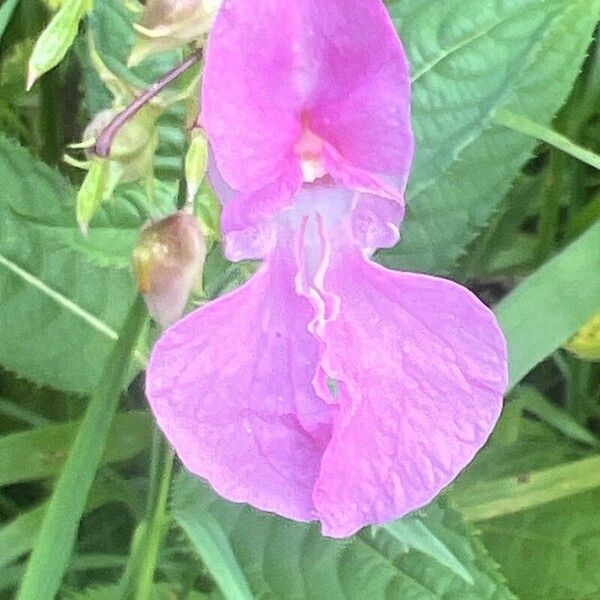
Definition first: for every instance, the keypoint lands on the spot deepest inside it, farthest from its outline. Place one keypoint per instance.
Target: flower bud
(133, 146)
(131, 159)
(168, 260)
(169, 24)
(196, 163)
(586, 342)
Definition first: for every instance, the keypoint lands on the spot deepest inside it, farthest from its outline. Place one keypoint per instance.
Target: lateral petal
(230, 385)
(421, 369)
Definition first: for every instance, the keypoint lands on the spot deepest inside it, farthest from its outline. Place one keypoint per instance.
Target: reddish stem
(107, 136)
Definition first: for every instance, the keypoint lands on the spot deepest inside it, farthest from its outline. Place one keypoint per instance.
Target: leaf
(552, 304)
(19, 535)
(6, 12)
(535, 48)
(412, 533)
(545, 134)
(56, 39)
(59, 309)
(41, 452)
(50, 557)
(564, 538)
(161, 591)
(289, 560)
(550, 552)
(552, 414)
(214, 549)
(487, 500)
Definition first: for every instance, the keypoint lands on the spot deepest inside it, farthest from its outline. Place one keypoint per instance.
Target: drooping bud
(168, 260)
(169, 24)
(586, 342)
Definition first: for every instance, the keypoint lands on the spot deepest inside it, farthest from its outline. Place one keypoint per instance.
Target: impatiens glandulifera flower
(169, 24)
(168, 261)
(327, 387)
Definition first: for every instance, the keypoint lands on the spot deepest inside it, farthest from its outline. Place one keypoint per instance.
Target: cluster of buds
(170, 24)
(120, 144)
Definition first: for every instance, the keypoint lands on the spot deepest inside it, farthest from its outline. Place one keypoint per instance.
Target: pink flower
(327, 387)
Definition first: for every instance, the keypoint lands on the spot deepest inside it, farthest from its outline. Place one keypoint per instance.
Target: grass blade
(552, 304)
(52, 552)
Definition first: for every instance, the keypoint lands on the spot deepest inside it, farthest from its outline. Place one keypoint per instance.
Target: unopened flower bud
(168, 260)
(131, 159)
(169, 24)
(196, 162)
(586, 342)
(133, 146)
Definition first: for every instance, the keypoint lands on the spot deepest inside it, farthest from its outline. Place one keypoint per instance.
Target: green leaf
(552, 552)
(19, 535)
(50, 557)
(487, 500)
(552, 414)
(161, 591)
(213, 547)
(552, 304)
(56, 39)
(6, 12)
(59, 309)
(467, 50)
(42, 452)
(545, 134)
(413, 534)
(285, 559)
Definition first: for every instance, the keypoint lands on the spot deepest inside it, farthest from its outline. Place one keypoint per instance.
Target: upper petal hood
(336, 67)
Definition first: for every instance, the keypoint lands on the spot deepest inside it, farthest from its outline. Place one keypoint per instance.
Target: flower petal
(230, 385)
(336, 67)
(421, 370)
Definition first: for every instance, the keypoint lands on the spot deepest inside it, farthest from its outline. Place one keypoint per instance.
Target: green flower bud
(196, 163)
(168, 260)
(131, 159)
(169, 24)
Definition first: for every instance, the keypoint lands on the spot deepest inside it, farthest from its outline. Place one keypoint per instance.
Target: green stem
(156, 525)
(524, 125)
(549, 220)
(138, 579)
(52, 552)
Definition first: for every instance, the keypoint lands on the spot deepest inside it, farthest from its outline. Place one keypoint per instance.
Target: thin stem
(155, 530)
(108, 134)
(524, 125)
(138, 579)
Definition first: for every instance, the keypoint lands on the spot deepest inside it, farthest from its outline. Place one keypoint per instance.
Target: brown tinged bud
(169, 24)
(168, 260)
